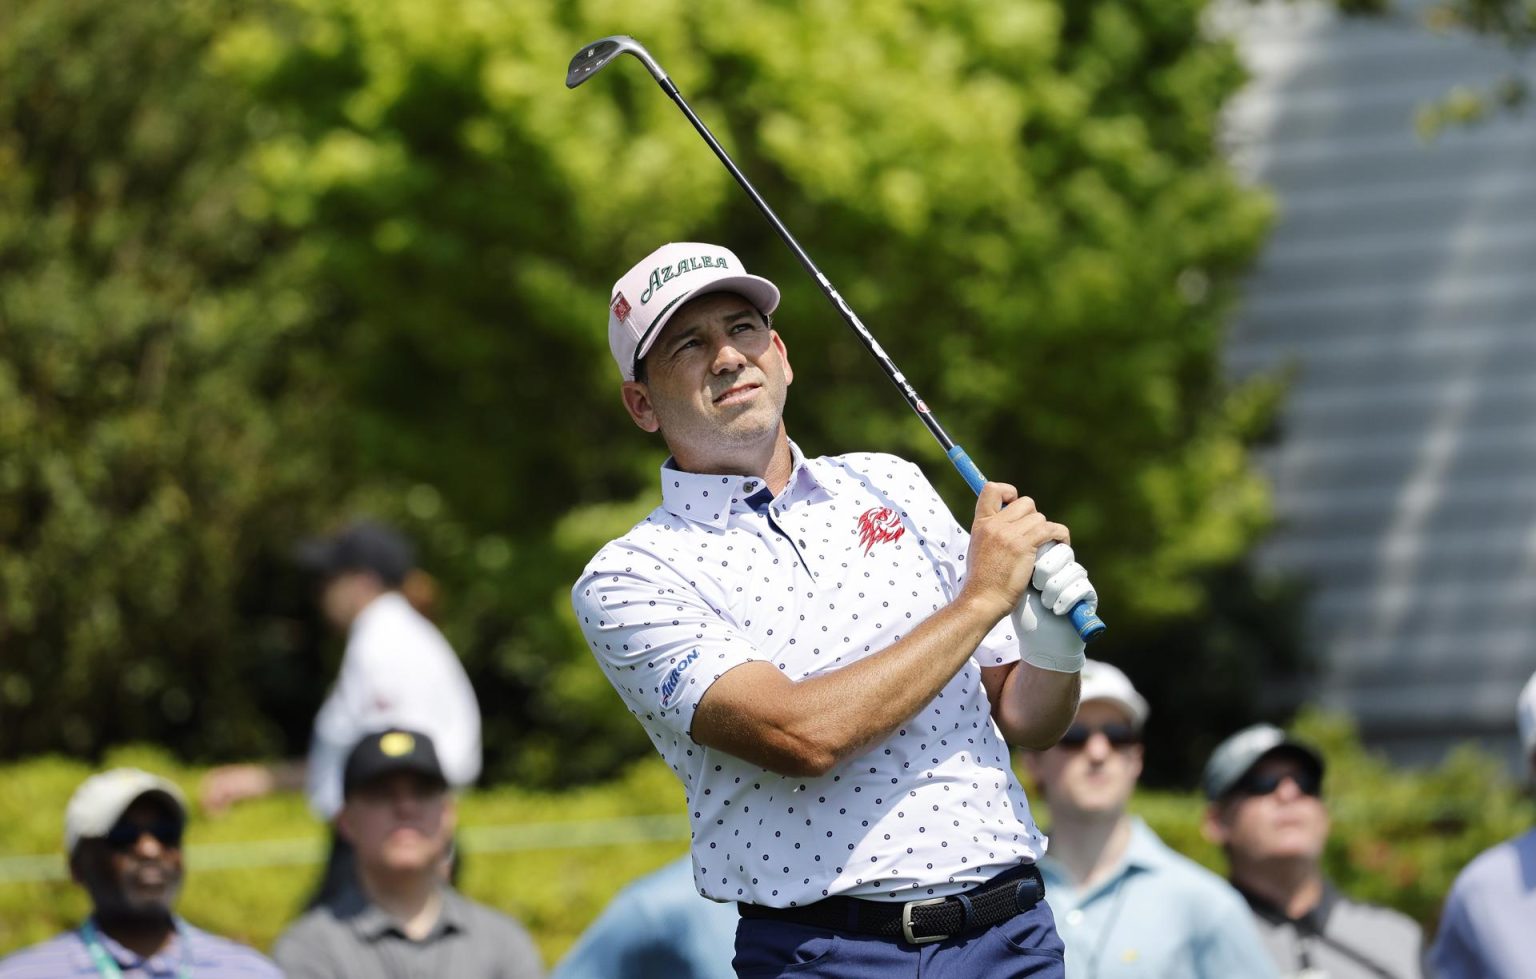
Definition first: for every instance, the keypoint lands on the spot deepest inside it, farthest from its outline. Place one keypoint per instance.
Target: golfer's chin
(748, 429)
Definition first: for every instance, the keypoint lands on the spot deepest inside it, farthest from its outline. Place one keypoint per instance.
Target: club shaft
(1083, 617)
(842, 307)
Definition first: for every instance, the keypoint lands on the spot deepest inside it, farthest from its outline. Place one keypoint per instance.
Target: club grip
(1083, 615)
(1086, 621)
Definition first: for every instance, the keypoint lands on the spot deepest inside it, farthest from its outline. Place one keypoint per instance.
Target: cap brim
(753, 288)
(109, 809)
(424, 769)
(1295, 748)
(1136, 710)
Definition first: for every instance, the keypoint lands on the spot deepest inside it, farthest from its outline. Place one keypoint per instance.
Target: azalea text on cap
(648, 294)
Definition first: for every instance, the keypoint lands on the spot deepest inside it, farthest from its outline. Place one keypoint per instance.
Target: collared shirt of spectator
(1126, 905)
(1485, 926)
(401, 920)
(657, 927)
(1267, 813)
(122, 832)
(829, 663)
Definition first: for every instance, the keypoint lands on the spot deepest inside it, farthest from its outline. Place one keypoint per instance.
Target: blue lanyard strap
(108, 967)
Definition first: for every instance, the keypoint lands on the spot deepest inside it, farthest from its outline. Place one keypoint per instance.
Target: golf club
(591, 59)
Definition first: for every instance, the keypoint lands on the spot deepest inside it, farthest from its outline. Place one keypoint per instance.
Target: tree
(1024, 200)
(158, 403)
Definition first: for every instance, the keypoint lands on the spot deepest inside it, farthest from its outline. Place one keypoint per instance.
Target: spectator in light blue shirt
(122, 831)
(1125, 904)
(658, 927)
(1485, 927)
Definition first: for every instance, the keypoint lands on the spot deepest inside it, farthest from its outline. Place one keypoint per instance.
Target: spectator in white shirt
(397, 671)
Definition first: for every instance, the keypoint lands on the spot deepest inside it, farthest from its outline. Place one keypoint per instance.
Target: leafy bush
(268, 263)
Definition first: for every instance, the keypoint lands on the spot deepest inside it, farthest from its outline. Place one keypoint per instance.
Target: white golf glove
(1048, 639)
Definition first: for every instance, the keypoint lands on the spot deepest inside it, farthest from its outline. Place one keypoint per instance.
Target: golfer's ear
(789, 372)
(637, 401)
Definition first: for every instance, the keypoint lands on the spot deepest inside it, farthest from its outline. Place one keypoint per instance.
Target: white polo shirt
(398, 671)
(854, 553)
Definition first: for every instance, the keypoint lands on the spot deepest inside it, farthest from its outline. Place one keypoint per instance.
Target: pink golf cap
(648, 294)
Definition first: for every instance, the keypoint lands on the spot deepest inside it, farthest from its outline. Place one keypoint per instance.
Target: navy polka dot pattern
(855, 552)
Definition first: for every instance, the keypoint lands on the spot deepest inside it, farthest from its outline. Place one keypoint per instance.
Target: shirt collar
(710, 498)
(381, 605)
(372, 923)
(1143, 852)
(127, 958)
(1314, 921)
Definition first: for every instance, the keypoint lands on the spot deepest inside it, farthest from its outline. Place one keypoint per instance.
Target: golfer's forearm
(811, 726)
(1036, 705)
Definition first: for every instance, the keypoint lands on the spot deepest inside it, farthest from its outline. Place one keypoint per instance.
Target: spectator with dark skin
(123, 832)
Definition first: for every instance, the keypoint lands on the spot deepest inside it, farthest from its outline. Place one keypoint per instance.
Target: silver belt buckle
(906, 922)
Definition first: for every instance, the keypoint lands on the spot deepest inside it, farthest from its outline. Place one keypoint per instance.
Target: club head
(594, 57)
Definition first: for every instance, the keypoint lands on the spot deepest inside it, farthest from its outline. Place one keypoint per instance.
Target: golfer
(831, 665)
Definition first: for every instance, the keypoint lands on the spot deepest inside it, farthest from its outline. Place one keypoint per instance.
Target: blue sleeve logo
(669, 685)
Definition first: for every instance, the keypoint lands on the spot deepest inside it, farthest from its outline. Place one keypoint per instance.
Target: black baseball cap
(388, 753)
(363, 545)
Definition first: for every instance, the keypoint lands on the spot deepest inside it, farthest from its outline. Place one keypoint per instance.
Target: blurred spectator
(658, 927)
(1485, 926)
(1267, 812)
(122, 832)
(1125, 904)
(397, 671)
(400, 918)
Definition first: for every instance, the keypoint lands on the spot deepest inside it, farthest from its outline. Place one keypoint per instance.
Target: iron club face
(596, 56)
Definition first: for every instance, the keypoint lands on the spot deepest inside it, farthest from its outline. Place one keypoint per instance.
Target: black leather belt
(919, 922)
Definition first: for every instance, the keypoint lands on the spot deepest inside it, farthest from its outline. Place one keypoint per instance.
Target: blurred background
(1239, 292)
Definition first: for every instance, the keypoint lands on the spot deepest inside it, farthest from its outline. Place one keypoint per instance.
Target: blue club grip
(1086, 621)
(1084, 618)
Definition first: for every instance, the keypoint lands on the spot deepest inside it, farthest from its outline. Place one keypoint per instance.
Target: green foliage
(158, 413)
(1512, 23)
(275, 261)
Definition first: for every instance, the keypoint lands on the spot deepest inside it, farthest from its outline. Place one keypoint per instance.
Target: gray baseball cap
(1235, 756)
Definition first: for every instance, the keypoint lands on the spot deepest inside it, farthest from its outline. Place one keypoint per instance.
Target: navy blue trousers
(1025, 945)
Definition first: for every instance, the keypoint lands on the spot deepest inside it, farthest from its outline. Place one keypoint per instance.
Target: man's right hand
(1005, 536)
(226, 785)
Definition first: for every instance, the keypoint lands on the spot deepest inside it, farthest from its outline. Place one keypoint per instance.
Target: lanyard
(108, 967)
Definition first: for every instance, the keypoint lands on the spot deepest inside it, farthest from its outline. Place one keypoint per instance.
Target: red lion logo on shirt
(879, 525)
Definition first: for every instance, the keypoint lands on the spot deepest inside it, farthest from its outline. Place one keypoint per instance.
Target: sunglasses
(125, 836)
(1118, 735)
(1255, 783)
